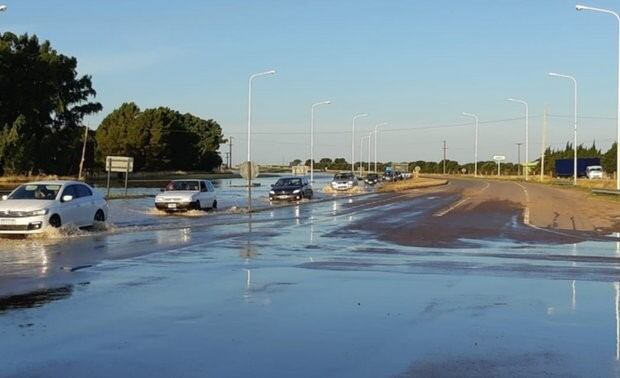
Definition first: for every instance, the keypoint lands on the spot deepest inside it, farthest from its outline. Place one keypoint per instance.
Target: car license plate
(7, 221)
(172, 205)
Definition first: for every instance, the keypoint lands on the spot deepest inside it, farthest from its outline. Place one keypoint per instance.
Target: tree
(42, 104)
(294, 163)
(609, 159)
(160, 139)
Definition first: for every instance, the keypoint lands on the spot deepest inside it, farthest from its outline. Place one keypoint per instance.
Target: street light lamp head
(553, 74)
(580, 7)
(3, 8)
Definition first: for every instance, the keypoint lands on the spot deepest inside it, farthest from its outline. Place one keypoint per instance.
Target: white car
(594, 172)
(183, 195)
(33, 207)
(344, 181)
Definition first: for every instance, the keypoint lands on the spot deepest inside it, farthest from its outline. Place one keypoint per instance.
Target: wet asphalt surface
(332, 288)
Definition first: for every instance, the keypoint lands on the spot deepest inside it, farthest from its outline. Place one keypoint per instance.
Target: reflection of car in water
(35, 206)
(344, 181)
(290, 188)
(372, 179)
(183, 195)
(594, 172)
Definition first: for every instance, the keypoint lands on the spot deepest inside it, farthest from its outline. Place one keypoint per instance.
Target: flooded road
(331, 288)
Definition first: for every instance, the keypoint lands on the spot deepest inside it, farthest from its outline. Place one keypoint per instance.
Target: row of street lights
(575, 122)
(474, 116)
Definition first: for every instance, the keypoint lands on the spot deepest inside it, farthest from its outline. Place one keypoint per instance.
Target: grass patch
(413, 183)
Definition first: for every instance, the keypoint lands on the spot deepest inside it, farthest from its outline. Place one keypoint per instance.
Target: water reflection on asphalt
(290, 294)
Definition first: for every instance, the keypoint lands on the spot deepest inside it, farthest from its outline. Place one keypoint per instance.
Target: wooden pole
(83, 153)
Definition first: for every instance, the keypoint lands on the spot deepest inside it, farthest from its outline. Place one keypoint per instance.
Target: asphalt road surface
(476, 278)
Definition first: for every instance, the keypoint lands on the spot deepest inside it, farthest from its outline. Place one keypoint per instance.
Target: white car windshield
(186, 186)
(343, 176)
(594, 169)
(35, 192)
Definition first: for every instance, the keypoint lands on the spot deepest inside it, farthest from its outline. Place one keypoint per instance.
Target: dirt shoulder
(414, 183)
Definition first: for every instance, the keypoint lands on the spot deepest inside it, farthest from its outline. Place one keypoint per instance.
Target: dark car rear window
(288, 182)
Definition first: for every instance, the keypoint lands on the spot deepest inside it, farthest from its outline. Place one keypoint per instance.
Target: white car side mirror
(67, 198)
(5, 197)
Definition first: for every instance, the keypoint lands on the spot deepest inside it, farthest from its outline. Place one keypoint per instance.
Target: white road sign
(499, 157)
(118, 164)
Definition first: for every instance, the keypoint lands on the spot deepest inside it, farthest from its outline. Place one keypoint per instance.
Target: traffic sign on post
(248, 170)
(118, 164)
(499, 159)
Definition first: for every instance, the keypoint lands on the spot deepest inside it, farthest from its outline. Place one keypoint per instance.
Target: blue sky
(414, 64)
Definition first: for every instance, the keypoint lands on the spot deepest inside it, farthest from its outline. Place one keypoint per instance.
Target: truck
(564, 167)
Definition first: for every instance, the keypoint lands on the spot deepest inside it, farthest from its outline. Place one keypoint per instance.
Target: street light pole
(475, 117)
(519, 158)
(369, 137)
(527, 134)
(377, 137)
(362, 154)
(584, 7)
(312, 137)
(353, 140)
(574, 121)
(252, 77)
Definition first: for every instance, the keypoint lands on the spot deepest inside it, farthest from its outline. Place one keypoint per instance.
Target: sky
(414, 64)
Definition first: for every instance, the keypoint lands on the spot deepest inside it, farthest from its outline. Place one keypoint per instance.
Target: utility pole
(444, 157)
(519, 159)
(230, 144)
(83, 153)
(544, 147)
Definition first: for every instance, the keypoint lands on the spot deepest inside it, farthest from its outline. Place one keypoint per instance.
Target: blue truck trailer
(564, 167)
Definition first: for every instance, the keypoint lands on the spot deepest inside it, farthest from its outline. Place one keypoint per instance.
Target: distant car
(35, 206)
(290, 188)
(594, 172)
(184, 195)
(392, 176)
(372, 179)
(344, 181)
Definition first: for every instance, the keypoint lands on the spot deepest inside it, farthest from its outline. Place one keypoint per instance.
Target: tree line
(489, 167)
(43, 102)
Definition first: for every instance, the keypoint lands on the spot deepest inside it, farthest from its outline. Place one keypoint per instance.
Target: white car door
(211, 192)
(86, 205)
(204, 195)
(70, 212)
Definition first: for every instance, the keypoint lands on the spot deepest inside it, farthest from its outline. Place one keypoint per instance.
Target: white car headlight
(35, 213)
(272, 192)
(350, 182)
(296, 191)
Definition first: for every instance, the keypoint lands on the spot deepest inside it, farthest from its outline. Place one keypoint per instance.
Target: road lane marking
(446, 211)
(526, 210)
(459, 203)
(526, 217)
